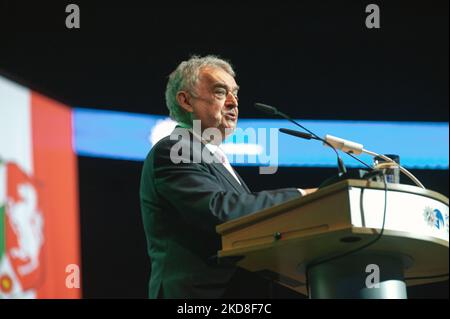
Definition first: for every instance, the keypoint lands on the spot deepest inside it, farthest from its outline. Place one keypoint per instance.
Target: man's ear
(183, 101)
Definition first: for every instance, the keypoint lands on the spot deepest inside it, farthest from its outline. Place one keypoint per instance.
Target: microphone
(306, 136)
(344, 145)
(266, 108)
(330, 138)
(271, 110)
(334, 142)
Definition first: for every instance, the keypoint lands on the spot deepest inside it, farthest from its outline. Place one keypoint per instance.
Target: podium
(303, 236)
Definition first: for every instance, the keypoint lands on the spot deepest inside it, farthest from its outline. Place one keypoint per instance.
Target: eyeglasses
(223, 91)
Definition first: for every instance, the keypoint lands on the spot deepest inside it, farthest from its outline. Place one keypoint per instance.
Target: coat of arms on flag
(39, 225)
(22, 233)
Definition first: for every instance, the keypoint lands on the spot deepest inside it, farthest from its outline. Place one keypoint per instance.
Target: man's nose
(232, 100)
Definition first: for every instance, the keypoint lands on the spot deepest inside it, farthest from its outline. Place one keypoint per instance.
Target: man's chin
(229, 130)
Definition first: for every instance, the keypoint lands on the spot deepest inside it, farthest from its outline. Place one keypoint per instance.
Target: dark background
(312, 59)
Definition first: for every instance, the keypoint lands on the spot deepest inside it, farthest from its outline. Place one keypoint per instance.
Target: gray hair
(185, 77)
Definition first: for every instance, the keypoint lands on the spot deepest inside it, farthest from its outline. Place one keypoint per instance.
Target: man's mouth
(231, 116)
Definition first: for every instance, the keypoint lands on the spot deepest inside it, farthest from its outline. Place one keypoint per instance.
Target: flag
(39, 224)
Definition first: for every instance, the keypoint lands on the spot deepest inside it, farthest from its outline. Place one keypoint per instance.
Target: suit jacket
(181, 204)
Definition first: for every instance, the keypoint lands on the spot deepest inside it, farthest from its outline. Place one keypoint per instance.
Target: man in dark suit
(188, 186)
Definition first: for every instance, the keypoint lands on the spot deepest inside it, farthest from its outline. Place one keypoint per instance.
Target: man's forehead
(213, 75)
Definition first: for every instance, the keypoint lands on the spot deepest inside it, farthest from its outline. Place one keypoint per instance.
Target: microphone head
(296, 133)
(344, 145)
(266, 108)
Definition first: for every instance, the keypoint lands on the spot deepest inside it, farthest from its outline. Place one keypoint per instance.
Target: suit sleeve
(200, 198)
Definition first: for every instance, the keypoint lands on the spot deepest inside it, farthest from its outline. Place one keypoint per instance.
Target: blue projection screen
(127, 136)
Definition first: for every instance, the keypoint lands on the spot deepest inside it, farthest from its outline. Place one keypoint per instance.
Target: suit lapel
(224, 172)
(230, 178)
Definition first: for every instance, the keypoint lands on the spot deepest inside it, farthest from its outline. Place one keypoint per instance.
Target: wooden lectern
(286, 240)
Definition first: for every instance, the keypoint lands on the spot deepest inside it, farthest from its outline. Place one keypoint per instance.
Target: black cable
(354, 157)
(314, 264)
